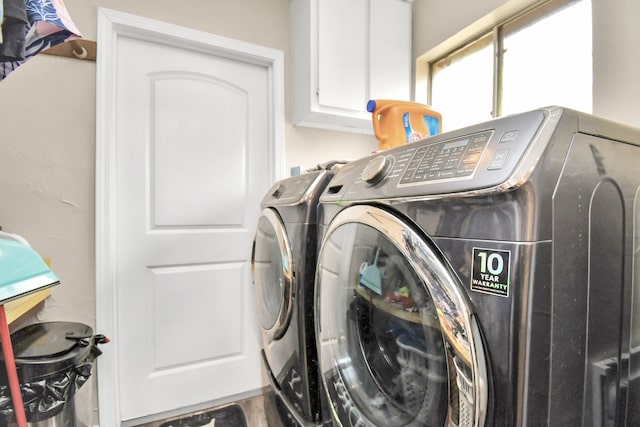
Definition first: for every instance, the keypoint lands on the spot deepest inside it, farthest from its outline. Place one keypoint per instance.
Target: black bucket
(53, 360)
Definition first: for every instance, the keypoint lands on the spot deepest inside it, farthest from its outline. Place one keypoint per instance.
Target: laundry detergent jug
(401, 122)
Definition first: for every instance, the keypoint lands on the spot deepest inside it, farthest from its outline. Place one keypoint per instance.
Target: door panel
(190, 149)
(184, 220)
(175, 286)
(199, 135)
(272, 265)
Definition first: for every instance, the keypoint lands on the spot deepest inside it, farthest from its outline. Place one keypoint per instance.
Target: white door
(189, 149)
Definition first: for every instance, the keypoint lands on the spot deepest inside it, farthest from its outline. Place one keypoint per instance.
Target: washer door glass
(272, 267)
(389, 314)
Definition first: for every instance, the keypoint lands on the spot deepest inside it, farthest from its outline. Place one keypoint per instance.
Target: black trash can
(54, 360)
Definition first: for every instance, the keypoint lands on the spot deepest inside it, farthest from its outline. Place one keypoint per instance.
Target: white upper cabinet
(345, 53)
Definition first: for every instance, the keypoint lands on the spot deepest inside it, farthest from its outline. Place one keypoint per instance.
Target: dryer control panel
(477, 157)
(294, 190)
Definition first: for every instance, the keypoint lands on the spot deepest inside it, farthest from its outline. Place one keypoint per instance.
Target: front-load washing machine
(485, 276)
(283, 265)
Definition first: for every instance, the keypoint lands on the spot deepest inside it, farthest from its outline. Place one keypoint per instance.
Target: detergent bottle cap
(371, 105)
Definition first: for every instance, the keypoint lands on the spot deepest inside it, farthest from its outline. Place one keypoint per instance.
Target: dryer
(283, 266)
(485, 276)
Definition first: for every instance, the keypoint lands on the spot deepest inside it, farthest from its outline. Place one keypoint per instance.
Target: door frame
(113, 25)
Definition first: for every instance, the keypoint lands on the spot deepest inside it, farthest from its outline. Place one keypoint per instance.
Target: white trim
(112, 25)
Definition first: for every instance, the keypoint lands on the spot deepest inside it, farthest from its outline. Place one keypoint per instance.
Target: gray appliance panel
(294, 190)
(480, 157)
(592, 280)
(291, 359)
(564, 345)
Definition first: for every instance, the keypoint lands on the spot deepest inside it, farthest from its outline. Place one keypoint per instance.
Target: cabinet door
(345, 53)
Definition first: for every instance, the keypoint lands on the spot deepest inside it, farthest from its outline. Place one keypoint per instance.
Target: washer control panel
(481, 156)
(448, 159)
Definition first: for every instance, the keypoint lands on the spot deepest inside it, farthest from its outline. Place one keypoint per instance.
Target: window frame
(496, 30)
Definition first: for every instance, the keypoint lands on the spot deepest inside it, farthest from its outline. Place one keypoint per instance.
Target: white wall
(616, 60)
(440, 24)
(435, 21)
(47, 147)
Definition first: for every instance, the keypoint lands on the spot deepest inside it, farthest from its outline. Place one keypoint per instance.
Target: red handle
(10, 365)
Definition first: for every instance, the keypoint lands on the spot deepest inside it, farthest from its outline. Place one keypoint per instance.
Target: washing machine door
(273, 279)
(397, 341)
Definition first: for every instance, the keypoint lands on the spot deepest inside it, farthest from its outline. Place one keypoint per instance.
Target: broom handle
(10, 365)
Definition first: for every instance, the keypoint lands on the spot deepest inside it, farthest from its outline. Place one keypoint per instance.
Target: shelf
(19, 307)
(395, 309)
(76, 49)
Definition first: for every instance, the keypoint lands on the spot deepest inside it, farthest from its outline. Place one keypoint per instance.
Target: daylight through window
(542, 57)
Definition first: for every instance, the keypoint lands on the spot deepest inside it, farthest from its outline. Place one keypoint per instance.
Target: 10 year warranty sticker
(490, 271)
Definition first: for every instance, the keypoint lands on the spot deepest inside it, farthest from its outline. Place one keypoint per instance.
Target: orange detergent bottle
(401, 122)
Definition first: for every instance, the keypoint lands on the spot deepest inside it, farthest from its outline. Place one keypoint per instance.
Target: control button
(476, 147)
(431, 176)
(464, 171)
(375, 170)
(450, 165)
(406, 178)
(419, 176)
(471, 158)
(279, 190)
(480, 138)
(509, 136)
(420, 152)
(446, 174)
(413, 164)
(498, 160)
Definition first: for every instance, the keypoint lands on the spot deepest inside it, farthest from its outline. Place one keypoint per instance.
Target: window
(540, 58)
(461, 85)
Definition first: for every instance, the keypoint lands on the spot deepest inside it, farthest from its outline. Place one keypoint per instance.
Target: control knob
(278, 191)
(376, 169)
